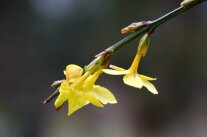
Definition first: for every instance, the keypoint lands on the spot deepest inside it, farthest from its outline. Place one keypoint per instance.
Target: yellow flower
(76, 99)
(80, 90)
(132, 78)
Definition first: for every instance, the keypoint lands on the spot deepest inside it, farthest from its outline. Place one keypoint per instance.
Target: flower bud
(134, 26)
(73, 72)
(187, 3)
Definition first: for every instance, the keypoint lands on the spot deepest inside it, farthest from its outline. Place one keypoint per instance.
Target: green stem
(168, 16)
(152, 25)
(114, 48)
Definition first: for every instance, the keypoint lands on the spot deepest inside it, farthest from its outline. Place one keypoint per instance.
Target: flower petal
(116, 68)
(73, 72)
(65, 88)
(76, 103)
(133, 80)
(146, 77)
(90, 81)
(115, 72)
(149, 86)
(64, 91)
(91, 99)
(60, 101)
(103, 95)
(78, 99)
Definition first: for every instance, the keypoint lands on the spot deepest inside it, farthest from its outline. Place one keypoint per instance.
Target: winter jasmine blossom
(132, 78)
(79, 90)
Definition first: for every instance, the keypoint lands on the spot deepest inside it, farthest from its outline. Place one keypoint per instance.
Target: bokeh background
(38, 38)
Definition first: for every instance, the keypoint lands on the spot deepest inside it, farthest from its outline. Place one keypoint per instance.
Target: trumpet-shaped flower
(132, 78)
(76, 90)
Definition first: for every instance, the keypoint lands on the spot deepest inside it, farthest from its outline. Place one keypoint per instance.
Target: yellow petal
(90, 81)
(60, 101)
(76, 103)
(73, 72)
(104, 95)
(116, 68)
(91, 99)
(78, 99)
(65, 88)
(133, 80)
(149, 86)
(146, 77)
(115, 72)
(79, 83)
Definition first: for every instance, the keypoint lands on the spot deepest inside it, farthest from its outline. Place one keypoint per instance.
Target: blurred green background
(38, 38)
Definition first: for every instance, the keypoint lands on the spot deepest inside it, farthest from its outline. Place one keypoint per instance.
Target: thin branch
(51, 97)
(151, 26)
